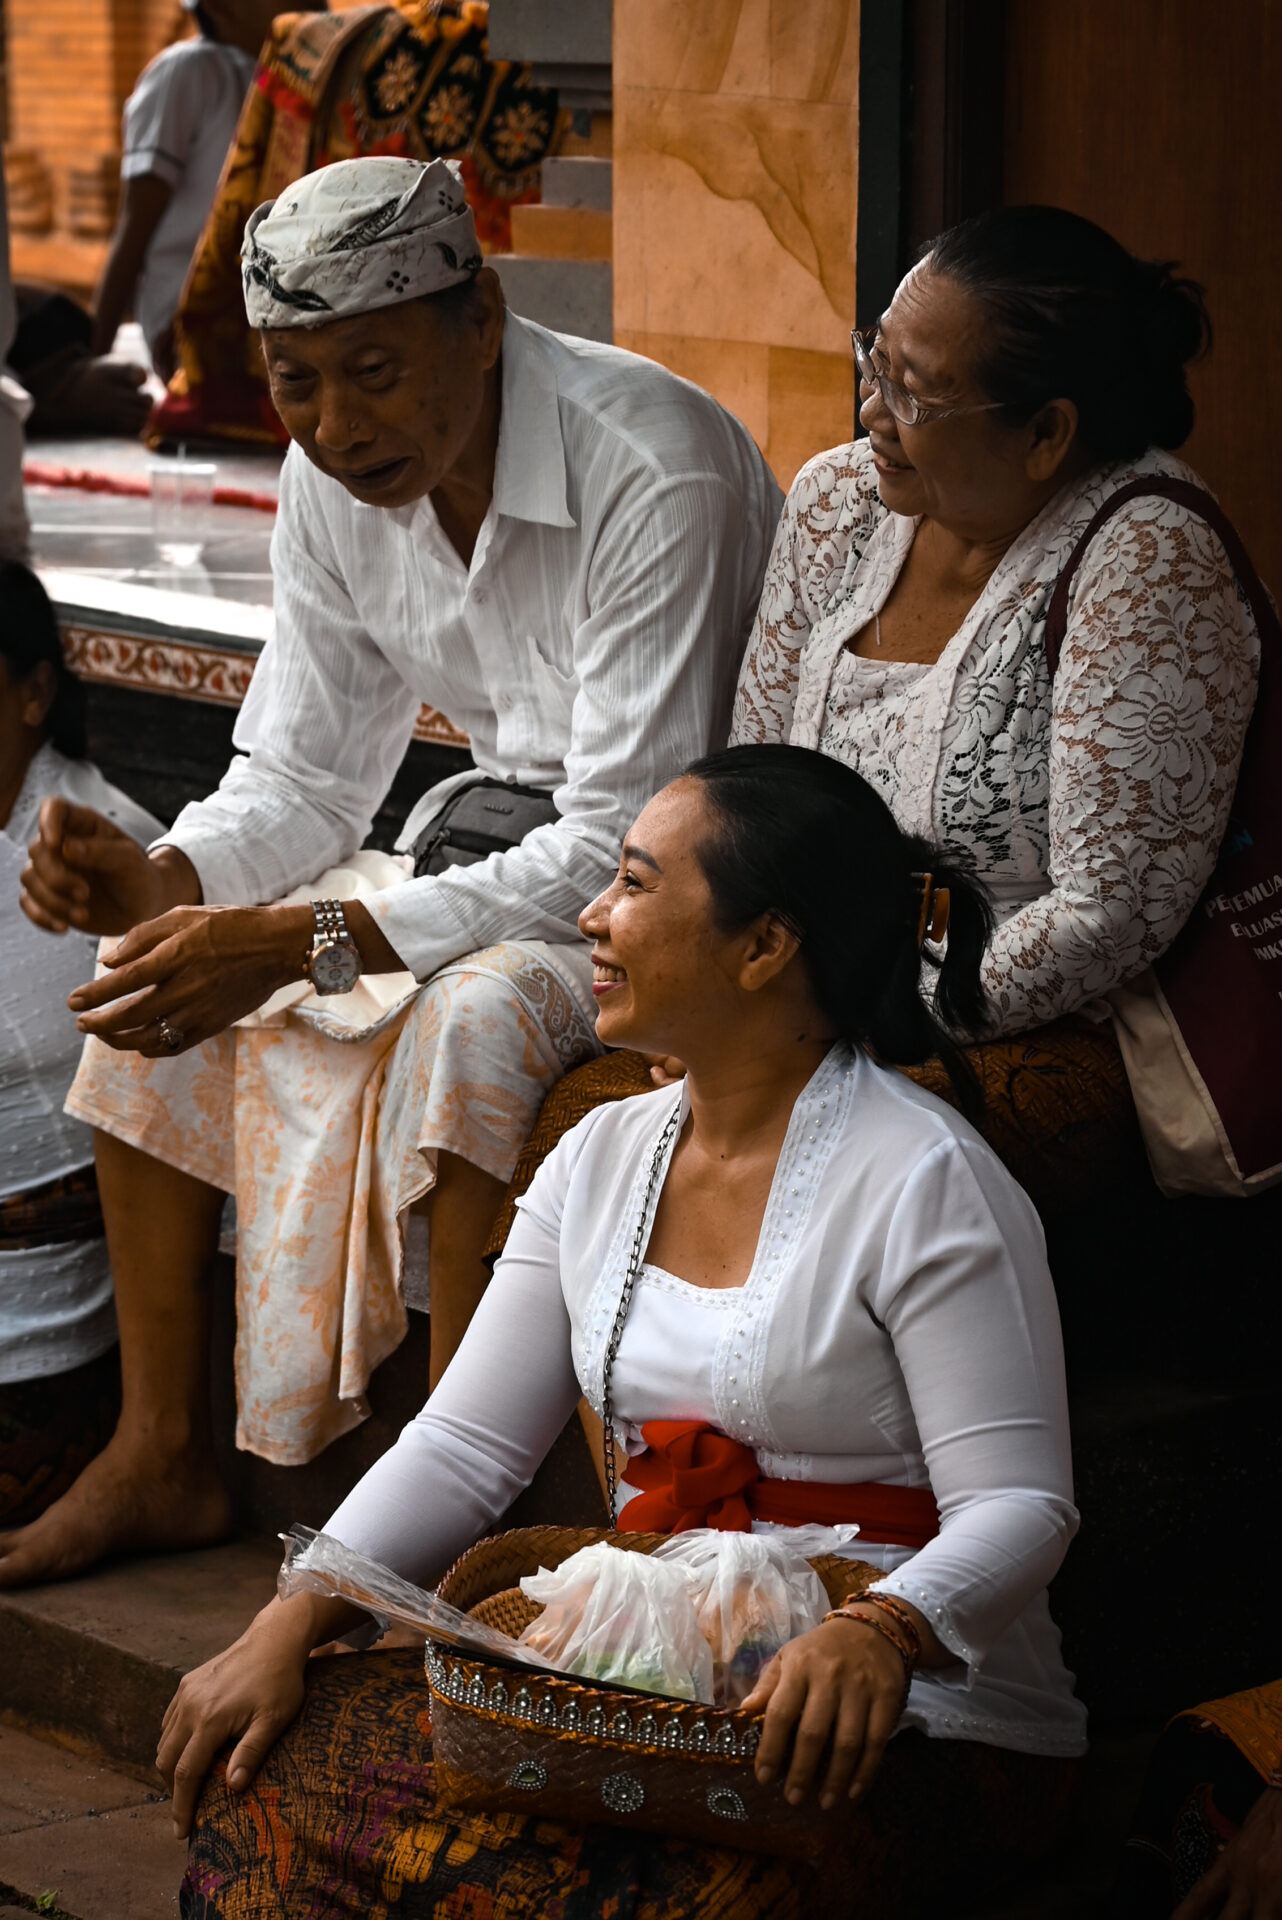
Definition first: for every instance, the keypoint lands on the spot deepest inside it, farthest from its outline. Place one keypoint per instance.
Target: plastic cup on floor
(182, 500)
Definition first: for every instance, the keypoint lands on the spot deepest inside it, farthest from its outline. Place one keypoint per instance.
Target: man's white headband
(356, 235)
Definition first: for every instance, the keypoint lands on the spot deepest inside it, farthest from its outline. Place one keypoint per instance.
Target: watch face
(336, 967)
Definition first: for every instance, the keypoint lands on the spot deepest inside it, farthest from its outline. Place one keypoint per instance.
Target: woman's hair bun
(806, 838)
(1073, 316)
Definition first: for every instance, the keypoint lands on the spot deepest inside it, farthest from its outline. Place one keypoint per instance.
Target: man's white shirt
(591, 647)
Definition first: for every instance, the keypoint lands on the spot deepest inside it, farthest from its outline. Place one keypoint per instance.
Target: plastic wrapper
(625, 1619)
(316, 1563)
(752, 1593)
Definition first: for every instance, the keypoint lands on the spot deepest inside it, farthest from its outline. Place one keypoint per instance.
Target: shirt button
(734, 1403)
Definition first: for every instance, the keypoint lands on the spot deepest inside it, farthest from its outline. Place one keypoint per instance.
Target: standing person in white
(561, 546)
(179, 123)
(15, 533)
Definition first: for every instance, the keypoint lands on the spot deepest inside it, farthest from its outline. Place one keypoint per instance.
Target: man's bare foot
(129, 1499)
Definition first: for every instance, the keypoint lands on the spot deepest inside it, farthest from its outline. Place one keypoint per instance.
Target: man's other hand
(86, 873)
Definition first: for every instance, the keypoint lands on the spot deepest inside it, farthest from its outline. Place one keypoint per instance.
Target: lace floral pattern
(1095, 807)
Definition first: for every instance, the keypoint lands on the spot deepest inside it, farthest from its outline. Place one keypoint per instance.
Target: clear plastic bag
(752, 1593)
(317, 1563)
(623, 1618)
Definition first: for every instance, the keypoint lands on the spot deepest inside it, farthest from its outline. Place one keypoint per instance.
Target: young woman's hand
(841, 1680)
(253, 1690)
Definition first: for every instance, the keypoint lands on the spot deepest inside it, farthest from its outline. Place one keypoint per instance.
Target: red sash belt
(693, 1476)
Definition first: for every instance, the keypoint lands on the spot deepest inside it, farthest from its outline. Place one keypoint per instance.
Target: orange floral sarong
(327, 1142)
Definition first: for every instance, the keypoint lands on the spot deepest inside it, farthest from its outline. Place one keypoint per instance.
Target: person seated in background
(812, 1260)
(1027, 368)
(1206, 1838)
(73, 390)
(179, 123)
(59, 1374)
(561, 546)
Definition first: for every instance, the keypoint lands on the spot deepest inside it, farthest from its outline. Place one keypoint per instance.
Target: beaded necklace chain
(625, 1301)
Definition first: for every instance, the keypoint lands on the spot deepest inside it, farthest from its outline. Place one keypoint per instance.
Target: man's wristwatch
(334, 963)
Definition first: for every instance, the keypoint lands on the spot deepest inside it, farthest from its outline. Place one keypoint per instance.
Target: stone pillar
(735, 174)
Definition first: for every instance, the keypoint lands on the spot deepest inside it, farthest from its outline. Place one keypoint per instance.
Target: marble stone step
(578, 180)
(96, 1660)
(562, 233)
(570, 296)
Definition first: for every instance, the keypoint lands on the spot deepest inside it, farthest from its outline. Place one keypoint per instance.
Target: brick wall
(70, 66)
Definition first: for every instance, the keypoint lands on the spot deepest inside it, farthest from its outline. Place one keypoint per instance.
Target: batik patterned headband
(357, 235)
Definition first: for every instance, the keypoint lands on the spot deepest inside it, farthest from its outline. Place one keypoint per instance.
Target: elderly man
(561, 546)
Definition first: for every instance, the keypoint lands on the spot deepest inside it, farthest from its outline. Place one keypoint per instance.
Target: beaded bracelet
(895, 1608)
(906, 1654)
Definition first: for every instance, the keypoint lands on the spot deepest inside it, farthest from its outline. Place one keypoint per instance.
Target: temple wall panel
(735, 138)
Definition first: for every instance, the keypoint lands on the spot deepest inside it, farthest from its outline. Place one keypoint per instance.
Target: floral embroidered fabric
(1095, 807)
(327, 1142)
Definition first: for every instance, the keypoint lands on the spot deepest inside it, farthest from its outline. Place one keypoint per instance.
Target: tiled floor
(98, 1840)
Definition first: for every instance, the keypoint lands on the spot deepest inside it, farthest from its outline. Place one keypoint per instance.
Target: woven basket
(532, 1743)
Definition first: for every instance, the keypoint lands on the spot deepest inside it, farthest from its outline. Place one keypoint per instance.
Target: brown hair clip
(932, 920)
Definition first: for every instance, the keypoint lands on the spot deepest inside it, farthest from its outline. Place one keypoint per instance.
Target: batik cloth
(356, 235)
(1207, 1772)
(343, 1822)
(1057, 1110)
(413, 80)
(326, 1142)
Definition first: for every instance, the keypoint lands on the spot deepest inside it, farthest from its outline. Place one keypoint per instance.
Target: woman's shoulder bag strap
(1198, 501)
(1221, 981)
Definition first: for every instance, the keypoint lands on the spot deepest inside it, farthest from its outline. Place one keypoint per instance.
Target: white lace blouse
(898, 1324)
(1095, 807)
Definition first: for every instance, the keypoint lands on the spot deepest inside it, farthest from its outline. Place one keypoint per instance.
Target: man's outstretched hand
(85, 873)
(180, 979)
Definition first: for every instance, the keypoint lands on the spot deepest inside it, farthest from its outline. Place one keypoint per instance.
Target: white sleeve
(501, 1403)
(162, 117)
(323, 729)
(655, 662)
(1155, 686)
(967, 1299)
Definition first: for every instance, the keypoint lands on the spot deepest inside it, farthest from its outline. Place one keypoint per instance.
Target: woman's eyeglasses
(904, 406)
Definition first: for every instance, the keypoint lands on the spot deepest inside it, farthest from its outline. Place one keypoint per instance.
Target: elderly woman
(836, 1273)
(1027, 368)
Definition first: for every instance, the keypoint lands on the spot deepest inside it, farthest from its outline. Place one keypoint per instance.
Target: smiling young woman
(838, 1283)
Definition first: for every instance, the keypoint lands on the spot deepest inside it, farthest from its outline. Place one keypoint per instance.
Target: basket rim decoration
(513, 1739)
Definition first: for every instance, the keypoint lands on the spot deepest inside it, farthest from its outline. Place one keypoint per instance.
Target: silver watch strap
(331, 921)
